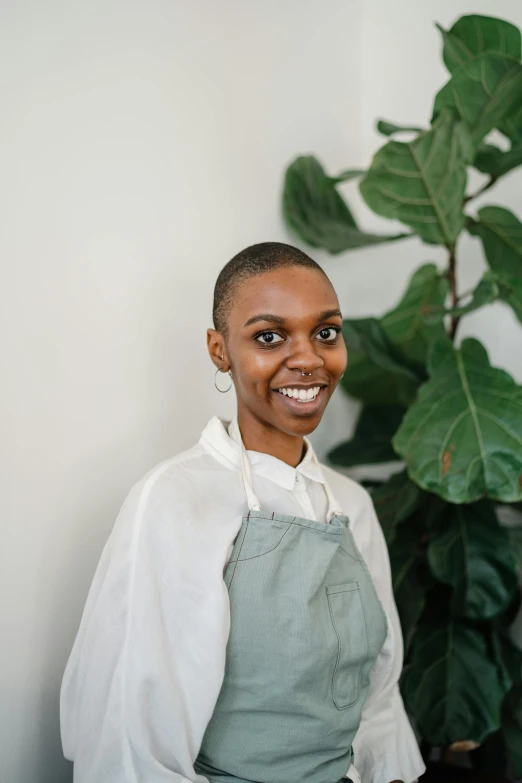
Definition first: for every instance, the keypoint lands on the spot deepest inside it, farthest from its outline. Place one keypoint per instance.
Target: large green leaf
(473, 34)
(368, 382)
(389, 128)
(495, 162)
(395, 500)
(400, 505)
(512, 707)
(486, 292)
(378, 372)
(313, 208)
(515, 536)
(472, 554)
(452, 687)
(371, 442)
(408, 562)
(512, 125)
(462, 437)
(502, 653)
(510, 291)
(347, 176)
(501, 234)
(491, 287)
(366, 336)
(510, 657)
(422, 182)
(484, 92)
(407, 325)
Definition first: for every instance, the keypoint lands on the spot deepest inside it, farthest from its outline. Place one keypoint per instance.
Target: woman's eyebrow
(278, 319)
(329, 313)
(265, 317)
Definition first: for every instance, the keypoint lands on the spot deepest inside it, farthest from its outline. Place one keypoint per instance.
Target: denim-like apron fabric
(306, 629)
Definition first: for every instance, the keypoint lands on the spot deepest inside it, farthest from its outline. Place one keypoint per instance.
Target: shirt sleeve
(385, 746)
(148, 662)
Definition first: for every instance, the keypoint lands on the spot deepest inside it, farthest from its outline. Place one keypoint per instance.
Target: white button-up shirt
(148, 662)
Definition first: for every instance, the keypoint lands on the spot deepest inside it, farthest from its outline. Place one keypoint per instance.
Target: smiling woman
(277, 320)
(241, 624)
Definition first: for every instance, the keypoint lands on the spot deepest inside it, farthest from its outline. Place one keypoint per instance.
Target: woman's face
(283, 323)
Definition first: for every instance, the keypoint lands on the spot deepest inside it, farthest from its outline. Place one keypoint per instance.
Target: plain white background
(142, 144)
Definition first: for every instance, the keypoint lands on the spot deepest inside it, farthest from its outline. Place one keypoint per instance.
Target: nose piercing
(305, 373)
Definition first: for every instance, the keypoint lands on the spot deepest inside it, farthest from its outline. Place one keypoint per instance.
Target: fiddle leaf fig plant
(439, 404)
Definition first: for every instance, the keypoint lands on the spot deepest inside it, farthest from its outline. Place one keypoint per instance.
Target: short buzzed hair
(252, 261)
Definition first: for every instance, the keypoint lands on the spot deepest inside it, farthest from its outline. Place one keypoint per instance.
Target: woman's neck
(258, 436)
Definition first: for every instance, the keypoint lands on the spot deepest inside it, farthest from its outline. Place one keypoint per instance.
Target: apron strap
(254, 504)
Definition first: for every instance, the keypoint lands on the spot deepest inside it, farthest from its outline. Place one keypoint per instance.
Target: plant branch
(489, 184)
(452, 278)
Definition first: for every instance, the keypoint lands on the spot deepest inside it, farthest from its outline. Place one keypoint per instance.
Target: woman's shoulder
(181, 479)
(175, 494)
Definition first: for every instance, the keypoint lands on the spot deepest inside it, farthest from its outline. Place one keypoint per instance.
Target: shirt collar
(223, 438)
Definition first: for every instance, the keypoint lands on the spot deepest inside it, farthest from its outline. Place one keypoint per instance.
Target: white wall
(142, 144)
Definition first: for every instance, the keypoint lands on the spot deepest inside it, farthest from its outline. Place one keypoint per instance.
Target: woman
(241, 624)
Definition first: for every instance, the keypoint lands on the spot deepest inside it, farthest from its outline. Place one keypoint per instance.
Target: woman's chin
(300, 416)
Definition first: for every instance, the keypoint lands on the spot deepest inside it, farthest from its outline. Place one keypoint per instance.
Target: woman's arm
(385, 746)
(148, 662)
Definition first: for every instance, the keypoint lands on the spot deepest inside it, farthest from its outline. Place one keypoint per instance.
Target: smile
(301, 395)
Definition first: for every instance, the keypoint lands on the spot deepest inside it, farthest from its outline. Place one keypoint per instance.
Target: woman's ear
(216, 349)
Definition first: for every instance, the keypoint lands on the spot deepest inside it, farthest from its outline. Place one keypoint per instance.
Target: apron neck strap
(253, 502)
(246, 470)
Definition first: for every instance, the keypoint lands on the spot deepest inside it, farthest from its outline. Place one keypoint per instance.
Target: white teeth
(303, 395)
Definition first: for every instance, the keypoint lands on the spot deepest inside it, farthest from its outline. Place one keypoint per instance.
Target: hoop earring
(223, 391)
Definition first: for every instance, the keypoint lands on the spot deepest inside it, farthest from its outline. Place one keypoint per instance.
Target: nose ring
(305, 373)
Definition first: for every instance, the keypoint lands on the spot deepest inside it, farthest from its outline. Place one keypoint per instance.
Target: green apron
(306, 629)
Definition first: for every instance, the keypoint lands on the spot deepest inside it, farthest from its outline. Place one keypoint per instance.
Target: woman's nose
(305, 359)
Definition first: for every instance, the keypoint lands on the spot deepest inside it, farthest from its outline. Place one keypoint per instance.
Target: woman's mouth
(301, 400)
(301, 395)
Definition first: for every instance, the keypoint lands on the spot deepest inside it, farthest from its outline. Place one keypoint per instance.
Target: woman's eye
(328, 333)
(268, 338)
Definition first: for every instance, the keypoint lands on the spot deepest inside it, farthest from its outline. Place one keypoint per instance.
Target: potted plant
(438, 403)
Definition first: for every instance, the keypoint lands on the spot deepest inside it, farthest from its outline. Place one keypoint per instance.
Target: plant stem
(489, 184)
(452, 278)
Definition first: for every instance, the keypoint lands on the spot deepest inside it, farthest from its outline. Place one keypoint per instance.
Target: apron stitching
(339, 652)
(263, 553)
(330, 532)
(239, 553)
(357, 560)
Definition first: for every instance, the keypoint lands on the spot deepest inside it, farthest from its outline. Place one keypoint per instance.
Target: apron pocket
(349, 622)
